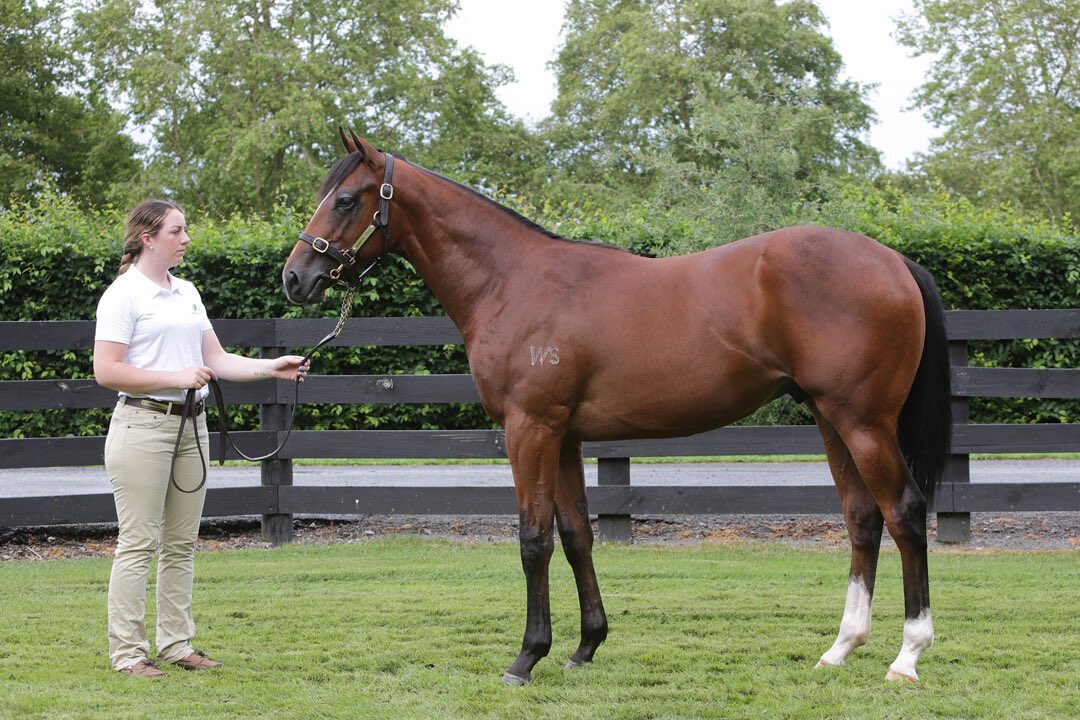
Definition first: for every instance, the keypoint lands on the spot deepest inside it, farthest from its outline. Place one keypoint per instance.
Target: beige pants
(154, 518)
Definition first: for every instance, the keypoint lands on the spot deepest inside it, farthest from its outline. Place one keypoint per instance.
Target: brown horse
(571, 342)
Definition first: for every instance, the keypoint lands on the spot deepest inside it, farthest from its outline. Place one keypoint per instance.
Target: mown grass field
(411, 628)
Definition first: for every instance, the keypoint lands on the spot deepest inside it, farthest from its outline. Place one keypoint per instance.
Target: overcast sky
(525, 35)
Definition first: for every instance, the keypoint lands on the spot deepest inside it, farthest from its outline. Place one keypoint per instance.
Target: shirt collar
(151, 288)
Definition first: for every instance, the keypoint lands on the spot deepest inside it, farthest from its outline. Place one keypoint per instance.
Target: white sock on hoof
(918, 635)
(855, 625)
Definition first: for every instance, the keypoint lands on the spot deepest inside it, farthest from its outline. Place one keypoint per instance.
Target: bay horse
(570, 341)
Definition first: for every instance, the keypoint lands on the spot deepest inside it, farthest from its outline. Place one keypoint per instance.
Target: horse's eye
(345, 202)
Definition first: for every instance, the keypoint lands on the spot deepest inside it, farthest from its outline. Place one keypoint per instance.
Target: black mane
(348, 164)
(518, 216)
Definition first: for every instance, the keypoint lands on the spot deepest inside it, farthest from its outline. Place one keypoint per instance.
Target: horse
(571, 341)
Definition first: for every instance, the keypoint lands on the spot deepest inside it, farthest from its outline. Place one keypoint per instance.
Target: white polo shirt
(161, 328)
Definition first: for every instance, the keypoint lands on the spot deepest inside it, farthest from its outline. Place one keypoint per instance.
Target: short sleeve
(115, 317)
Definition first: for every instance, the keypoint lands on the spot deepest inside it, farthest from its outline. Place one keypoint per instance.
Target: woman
(153, 342)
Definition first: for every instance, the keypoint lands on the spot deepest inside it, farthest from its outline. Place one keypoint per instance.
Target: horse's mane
(346, 165)
(518, 216)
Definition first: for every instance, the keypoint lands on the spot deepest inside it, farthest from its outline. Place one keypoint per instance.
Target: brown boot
(197, 660)
(143, 668)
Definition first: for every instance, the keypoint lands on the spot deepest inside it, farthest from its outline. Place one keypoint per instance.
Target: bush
(56, 260)
(982, 259)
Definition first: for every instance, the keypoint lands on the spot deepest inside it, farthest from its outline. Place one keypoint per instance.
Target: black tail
(925, 429)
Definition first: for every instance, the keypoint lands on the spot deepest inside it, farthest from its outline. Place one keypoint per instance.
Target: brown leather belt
(167, 408)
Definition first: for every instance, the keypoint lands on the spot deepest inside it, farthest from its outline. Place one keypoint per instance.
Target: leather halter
(345, 273)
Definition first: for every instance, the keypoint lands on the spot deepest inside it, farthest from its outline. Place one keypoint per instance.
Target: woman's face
(169, 243)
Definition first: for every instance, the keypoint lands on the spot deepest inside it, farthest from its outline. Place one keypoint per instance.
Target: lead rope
(189, 407)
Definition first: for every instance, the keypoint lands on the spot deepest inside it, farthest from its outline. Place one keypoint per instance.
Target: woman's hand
(195, 377)
(289, 367)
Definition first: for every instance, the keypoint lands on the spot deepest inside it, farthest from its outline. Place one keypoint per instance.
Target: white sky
(525, 36)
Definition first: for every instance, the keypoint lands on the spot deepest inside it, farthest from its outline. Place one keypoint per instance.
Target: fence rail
(614, 499)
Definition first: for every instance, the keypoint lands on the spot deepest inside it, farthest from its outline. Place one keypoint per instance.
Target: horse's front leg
(575, 530)
(533, 449)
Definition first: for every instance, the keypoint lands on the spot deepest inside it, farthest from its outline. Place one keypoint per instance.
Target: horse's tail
(925, 427)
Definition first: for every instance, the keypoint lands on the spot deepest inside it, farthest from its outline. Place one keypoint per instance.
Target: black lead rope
(223, 430)
(345, 274)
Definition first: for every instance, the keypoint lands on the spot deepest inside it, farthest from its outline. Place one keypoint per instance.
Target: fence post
(955, 527)
(613, 471)
(277, 528)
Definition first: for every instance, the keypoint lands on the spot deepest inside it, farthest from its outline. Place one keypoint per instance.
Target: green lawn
(410, 628)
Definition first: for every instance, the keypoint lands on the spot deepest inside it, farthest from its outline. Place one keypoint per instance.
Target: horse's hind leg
(864, 522)
(575, 531)
(876, 452)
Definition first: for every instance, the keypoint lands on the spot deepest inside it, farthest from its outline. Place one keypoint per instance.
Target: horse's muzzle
(300, 292)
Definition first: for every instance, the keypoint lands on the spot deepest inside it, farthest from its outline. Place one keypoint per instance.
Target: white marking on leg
(855, 625)
(918, 635)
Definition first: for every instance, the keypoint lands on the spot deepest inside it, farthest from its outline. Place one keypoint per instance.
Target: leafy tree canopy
(634, 74)
(242, 98)
(1006, 89)
(52, 135)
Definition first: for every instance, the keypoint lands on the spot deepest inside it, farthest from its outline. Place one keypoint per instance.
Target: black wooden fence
(614, 499)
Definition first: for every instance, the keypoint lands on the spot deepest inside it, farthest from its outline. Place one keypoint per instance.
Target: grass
(412, 628)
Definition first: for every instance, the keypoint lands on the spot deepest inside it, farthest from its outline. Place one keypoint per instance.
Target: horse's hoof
(514, 680)
(897, 675)
(822, 664)
(571, 664)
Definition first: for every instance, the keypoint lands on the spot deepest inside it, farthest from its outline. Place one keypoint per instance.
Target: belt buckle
(156, 405)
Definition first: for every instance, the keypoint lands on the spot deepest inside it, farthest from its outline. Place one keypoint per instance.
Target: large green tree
(1005, 86)
(634, 74)
(52, 132)
(242, 98)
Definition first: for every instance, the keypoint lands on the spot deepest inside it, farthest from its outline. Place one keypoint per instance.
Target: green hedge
(56, 260)
(982, 259)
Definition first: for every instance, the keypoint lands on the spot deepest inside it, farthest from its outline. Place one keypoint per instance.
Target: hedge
(56, 260)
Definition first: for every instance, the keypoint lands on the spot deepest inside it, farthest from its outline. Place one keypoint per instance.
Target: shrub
(56, 260)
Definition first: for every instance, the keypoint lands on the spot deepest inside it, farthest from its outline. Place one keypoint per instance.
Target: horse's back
(633, 346)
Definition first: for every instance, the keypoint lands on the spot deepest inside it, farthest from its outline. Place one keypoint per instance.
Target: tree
(53, 133)
(634, 73)
(1006, 88)
(243, 97)
(736, 172)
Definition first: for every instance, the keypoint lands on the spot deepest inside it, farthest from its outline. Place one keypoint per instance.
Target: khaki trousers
(154, 518)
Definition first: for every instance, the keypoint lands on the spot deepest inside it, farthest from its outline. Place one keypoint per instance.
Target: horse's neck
(469, 251)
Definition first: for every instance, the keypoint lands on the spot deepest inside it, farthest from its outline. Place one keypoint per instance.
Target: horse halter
(345, 274)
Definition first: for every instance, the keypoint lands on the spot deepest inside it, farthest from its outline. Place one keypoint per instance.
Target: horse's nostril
(291, 281)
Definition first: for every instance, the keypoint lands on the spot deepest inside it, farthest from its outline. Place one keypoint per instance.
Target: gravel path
(990, 531)
(1001, 532)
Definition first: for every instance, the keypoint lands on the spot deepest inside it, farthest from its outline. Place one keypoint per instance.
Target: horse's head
(334, 247)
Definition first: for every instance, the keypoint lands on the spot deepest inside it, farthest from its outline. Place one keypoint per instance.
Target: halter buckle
(386, 191)
(320, 245)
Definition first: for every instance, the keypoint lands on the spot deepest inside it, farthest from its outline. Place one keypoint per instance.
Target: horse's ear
(345, 140)
(355, 143)
(369, 151)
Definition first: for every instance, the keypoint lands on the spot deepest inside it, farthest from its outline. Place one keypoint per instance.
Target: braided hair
(146, 217)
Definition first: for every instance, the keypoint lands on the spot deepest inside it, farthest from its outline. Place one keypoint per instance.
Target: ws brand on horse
(571, 342)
